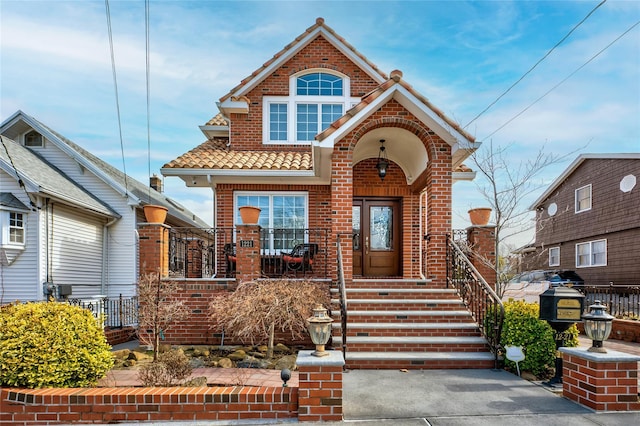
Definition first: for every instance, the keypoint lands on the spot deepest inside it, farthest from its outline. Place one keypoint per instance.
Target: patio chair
(300, 259)
(230, 257)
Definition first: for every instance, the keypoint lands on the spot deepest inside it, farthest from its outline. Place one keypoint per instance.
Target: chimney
(155, 182)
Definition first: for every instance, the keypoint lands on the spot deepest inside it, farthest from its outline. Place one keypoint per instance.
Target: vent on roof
(32, 139)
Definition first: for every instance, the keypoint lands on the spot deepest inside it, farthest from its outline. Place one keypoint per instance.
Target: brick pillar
(602, 382)
(320, 387)
(194, 259)
(482, 240)
(153, 247)
(248, 264)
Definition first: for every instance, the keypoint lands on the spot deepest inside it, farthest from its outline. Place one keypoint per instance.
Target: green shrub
(51, 345)
(523, 328)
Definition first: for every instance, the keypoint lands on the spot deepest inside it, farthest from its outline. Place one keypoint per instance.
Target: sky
(55, 65)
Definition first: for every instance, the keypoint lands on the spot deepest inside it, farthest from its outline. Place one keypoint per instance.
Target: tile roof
(319, 23)
(214, 154)
(396, 78)
(218, 120)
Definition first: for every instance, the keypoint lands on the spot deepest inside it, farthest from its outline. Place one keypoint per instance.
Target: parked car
(529, 285)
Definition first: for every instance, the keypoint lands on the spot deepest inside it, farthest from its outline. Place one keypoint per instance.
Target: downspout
(104, 277)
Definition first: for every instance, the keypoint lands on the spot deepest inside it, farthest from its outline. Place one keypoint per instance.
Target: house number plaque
(246, 243)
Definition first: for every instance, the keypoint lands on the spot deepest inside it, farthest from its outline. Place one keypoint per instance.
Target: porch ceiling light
(319, 326)
(383, 162)
(597, 326)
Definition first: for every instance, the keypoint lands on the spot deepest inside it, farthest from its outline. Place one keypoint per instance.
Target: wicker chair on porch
(300, 259)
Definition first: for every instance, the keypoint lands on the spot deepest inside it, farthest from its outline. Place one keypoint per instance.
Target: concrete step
(403, 304)
(408, 329)
(413, 344)
(418, 360)
(405, 316)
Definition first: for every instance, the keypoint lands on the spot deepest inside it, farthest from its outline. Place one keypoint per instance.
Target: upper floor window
(591, 253)
(554, 256)
(317, 99)
(32, 139)
(13, 227)
(583, 199)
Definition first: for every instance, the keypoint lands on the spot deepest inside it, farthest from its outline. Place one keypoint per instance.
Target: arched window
(318, 98)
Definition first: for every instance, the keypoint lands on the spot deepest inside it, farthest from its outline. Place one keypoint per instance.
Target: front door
(376, 237)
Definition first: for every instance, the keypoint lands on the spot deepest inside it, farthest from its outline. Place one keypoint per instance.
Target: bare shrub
(256, 309)
(170, 369)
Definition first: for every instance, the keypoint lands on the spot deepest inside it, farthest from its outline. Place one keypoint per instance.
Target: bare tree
(506, 185)
(256, 309)
(159, 310)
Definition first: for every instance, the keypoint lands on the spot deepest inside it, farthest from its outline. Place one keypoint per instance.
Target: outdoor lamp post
(319, 326)
(597, 326)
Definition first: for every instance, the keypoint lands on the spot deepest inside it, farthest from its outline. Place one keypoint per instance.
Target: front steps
(405, 324)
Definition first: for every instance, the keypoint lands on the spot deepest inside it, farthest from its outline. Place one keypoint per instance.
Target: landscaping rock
(280, 348)
(251, 362)
(259, 355)
(121, 354)
(196, 363)
(263, 349)
(288, 361)
(139, 356)
(225, 363)
(237, 355)
(196, 381)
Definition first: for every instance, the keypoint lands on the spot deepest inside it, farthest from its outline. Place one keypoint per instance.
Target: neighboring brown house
(588, 220)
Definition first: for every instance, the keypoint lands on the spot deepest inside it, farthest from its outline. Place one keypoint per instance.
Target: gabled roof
(238, 93)
(574, 165)
(10, 201)
(138, 193)
(40, 176)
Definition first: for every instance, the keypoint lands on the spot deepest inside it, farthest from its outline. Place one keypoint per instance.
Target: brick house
(352, 164)
(588, 220)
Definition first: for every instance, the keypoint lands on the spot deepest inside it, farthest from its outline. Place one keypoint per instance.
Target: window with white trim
(13, 230)
(591, 253)
(583, 198)
(318, 98)
(284, 213)
(554, 256)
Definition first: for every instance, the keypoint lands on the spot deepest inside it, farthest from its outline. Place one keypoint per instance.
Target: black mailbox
(561, 305)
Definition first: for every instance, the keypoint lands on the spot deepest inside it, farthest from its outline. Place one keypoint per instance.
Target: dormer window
(318, 99)
(33, 139)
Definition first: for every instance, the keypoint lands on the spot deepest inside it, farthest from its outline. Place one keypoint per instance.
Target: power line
(146, 27)
(562, 81)
(535, 65)
(115, 85)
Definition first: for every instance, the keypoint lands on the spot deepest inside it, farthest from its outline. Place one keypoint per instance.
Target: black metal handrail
(621, 301)
(483, 303)
(199, 252)
(294, 252)
(342, 290)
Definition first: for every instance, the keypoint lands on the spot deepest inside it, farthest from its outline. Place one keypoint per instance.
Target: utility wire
(535, 65)
(146, 27)
(115, 85)
(561, 82)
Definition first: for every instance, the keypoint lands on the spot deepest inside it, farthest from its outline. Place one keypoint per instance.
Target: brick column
(248, 264)
(320, 387)
(153, 248)
(482, 240)
(602, 382)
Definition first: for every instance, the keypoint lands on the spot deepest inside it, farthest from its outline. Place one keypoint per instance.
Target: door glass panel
(355, 220)
(381, 219)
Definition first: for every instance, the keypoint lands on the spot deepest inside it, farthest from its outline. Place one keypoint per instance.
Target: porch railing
(483, 303)
(118, 312)
(621, 301)
(211, 252)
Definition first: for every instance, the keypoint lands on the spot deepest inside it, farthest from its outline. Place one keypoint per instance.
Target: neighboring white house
(67, 217)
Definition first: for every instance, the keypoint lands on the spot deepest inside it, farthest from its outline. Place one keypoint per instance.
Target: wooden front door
(376, 237)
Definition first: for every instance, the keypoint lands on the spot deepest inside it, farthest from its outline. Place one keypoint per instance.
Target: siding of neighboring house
(614, 216)
(21, 280)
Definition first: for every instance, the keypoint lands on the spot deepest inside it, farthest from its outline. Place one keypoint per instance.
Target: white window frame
(590, 255)
(553, 256)
(269, 224)
(577, 201)
(6, 227)
(293, 100)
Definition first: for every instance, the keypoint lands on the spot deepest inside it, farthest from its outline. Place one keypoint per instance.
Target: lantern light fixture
(383, 161)
(319, 326)
(597, 326)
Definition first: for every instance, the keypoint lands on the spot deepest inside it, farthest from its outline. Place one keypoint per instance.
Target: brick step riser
(358, 306)
(411, 333)
(414, 347)
(381, 319)
(395, 284)
(400, 296)
(417, 365)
